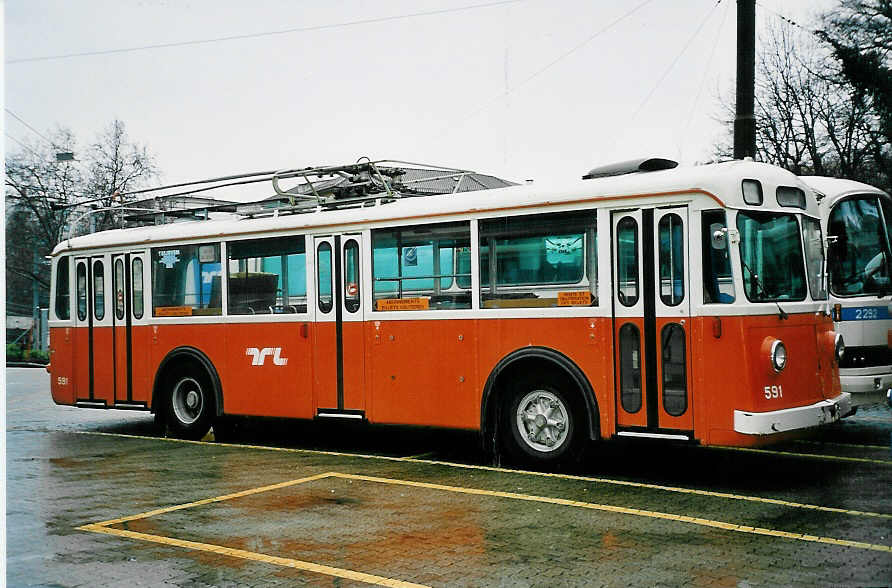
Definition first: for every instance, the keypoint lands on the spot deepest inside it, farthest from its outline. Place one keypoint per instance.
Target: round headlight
(839, 347)
(778, 356)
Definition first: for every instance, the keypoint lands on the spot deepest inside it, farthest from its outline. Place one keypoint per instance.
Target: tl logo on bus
(260, 355)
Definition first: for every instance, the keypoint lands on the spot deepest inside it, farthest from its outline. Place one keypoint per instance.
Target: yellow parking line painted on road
(216, 499)
(253, 556)
(623, 510)
(104, 526)
(849, 445)
(609, 481)
(806, 455)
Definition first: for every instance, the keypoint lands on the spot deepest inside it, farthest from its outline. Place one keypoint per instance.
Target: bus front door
(339, 348)
(651, 318)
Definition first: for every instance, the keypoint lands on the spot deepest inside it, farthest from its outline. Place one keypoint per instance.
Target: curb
(25, 364)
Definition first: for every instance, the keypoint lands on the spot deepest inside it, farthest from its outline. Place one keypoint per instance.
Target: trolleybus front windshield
(771, 256)
(858, 257)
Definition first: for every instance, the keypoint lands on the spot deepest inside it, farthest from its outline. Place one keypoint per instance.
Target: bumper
(866, 385)
(791, 419)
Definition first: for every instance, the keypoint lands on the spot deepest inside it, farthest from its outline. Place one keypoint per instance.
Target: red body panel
(433, 372)
(731, 371)
(143, 376)
(120, 363)
(268, 389)
(325, 364)
(80, 362)
(62, 380)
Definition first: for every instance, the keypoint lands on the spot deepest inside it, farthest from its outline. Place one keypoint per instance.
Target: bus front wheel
(541, 425)
(189, 404)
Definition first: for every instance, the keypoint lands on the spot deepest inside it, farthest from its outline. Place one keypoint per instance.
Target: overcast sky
(525, 89)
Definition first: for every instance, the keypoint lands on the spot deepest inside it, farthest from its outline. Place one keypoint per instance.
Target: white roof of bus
(835, 188)
(723, 180)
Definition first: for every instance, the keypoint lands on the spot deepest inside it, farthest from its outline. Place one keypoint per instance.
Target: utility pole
(35, 301)
(744, 116)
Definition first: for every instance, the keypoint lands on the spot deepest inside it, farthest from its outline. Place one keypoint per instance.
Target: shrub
(13, 352)
(36, 356)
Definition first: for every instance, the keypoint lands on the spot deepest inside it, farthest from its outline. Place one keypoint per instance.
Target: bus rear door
(130, 344)
(651, 317)
(339, 348)
(93, 344)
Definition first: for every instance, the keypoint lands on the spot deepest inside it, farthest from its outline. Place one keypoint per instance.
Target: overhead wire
(786, 19)
(32, 129)
(671, 66)
(715, 45)
(22, 145)
(263, 34)
(508, 91)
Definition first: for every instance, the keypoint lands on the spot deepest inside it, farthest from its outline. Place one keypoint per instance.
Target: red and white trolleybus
(643, 300)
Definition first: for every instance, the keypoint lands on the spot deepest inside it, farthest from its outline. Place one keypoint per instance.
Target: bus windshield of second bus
(859, 256)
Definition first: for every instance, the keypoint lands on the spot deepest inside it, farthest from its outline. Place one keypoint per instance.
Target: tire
(543, 426)
(189, 403)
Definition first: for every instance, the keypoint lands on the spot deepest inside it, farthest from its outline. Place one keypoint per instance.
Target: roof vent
(630, 167)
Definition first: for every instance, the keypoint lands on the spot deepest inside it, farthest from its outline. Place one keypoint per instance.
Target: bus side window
(98, 290)
(671, 248)
(422, 267)
(119, 288)
(63, 297)
(267, 276)
(137, 288)
(718, 282)
(627, 261)
(186, 280)
(82, 291)
(325, 298)
(539, 261)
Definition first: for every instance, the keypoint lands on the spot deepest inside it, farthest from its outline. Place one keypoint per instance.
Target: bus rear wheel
(541, 425)
(189, 404)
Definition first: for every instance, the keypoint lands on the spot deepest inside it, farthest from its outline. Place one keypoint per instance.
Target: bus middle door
(339, 348)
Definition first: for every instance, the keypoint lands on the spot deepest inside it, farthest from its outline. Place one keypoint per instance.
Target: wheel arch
(529, 356)
(187, 354)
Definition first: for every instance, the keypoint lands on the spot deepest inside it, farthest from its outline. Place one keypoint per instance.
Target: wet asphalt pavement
(101, 498)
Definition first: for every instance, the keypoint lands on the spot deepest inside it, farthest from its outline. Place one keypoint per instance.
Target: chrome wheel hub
(187, 400)
(542, 420)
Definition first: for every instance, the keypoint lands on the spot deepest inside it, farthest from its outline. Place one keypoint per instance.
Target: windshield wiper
(783, 315)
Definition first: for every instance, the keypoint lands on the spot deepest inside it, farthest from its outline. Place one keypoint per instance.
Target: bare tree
(44, 194)
(809, 119)
(115, 166)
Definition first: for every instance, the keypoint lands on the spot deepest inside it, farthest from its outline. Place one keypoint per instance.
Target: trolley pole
(745, 118)
(35, 301)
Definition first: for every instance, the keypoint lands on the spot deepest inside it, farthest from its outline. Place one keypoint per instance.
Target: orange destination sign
(403, 304)
(575, 298)
(173, 311)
